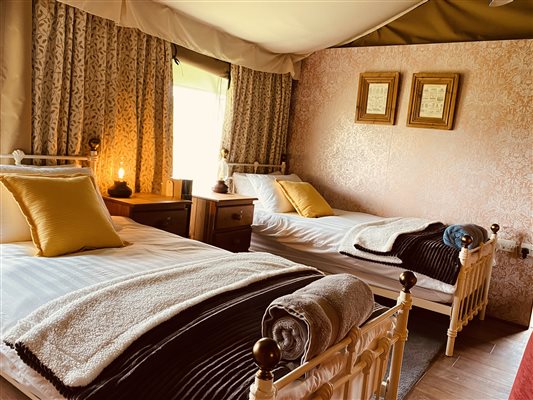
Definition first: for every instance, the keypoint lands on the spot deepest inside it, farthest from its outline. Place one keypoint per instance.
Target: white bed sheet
(314, 241)
(29, 282)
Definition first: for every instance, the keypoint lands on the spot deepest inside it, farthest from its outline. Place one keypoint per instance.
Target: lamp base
(119, 189)
(220, 187)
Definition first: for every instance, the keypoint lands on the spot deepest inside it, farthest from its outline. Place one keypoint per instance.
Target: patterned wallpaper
(480, 172)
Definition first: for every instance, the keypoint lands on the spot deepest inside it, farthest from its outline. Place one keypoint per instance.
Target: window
(199, 103)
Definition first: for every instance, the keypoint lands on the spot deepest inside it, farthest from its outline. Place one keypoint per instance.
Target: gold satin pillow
(65, 214)
(306, 199)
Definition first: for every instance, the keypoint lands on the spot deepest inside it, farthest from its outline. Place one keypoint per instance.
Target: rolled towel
(452, 235)
(315, 317)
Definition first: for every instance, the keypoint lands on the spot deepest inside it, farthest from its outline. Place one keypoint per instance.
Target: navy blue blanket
(426, 253)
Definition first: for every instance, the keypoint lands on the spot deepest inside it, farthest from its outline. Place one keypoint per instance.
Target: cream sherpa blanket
(379, 236)
(76, 336)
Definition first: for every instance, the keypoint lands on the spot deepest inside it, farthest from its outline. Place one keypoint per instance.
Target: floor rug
(426, 341)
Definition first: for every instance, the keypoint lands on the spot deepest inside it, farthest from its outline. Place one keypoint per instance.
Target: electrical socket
(507, 245)
(528, 246)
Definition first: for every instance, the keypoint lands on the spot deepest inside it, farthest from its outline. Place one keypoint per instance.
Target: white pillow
(13, 224)
(270, 193)
(242, 185)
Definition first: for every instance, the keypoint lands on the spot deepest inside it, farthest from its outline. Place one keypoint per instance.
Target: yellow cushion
(65, 215)
(305, 199)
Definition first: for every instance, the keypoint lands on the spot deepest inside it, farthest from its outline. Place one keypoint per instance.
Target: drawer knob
(237, 216)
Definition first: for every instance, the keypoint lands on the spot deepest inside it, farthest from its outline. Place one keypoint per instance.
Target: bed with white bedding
(457, 279)
(315, 241)
(113, 322)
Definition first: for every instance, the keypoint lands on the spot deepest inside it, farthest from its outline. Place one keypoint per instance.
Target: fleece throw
(76, 336)
(379, 236)
(310, 320)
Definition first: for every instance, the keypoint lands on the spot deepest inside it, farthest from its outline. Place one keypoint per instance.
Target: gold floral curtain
(257, 116)
(92, 78)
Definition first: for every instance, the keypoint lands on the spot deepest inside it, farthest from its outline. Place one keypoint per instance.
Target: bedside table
(170, 214)
(223, 220)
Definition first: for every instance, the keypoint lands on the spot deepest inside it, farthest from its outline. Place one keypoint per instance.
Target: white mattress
(29, 282)
(314, 241)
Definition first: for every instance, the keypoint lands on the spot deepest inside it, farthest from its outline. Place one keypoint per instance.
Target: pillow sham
(306, 199)
(65, 215)
(13, 225)
(269, 192)
(242, 185)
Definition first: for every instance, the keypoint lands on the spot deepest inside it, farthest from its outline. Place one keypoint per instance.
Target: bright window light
(199, 102)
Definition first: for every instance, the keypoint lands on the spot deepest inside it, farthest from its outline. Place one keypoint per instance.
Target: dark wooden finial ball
(408, 280)
(495, 228)
(266, 353)
(94, 144)
(466, 240)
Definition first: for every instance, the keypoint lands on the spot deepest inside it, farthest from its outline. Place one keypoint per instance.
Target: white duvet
(315, 242)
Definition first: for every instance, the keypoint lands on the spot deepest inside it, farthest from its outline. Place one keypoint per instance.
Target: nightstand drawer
(234, 216)
(236, 241)
(173, 221)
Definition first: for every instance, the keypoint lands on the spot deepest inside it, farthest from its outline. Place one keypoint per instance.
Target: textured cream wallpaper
(479, 172)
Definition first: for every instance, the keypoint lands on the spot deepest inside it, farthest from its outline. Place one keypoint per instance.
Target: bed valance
(159, 20)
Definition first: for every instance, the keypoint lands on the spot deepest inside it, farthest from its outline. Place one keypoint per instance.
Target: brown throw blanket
(310, 320)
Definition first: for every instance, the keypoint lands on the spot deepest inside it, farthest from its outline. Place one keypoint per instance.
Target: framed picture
(376, 98)
(432, 100)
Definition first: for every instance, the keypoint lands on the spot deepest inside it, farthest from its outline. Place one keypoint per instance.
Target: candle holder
(119, 189)
(223, 172)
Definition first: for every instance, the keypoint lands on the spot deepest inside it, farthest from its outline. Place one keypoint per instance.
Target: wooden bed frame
(470, 297)
(370, 364)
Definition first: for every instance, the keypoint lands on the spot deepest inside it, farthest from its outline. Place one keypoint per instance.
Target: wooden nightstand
(170, 214)
(223, 220)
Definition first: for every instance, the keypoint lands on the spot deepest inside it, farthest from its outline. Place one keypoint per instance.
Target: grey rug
(426, 341)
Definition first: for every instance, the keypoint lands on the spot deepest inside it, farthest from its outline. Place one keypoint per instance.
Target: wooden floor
(484, 365)
(486, 357)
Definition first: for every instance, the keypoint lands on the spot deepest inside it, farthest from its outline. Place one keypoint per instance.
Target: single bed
(315, 241)
(183, 353)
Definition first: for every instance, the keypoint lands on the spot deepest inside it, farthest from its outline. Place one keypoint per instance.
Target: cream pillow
(306, 199)
(13, 225)
(242, 184)
(65, 215)
(269, 192)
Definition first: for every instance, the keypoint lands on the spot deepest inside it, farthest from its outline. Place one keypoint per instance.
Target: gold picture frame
(432, 100)
(376, 98)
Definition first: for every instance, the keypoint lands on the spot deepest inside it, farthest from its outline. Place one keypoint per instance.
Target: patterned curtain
(92, 78)
(257, 116)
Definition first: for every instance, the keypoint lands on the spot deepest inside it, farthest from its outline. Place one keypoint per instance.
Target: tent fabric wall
(159, 20)
(446, 21)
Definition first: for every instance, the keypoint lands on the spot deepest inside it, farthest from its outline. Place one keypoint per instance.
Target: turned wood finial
(94, 143)
(466, 240)
(266, 354)
(495, 228)
(408, 280)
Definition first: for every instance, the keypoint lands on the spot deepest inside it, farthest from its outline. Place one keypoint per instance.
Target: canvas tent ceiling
(276, 36)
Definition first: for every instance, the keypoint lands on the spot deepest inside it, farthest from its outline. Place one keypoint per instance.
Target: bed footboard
(472, 290)
(369, 365)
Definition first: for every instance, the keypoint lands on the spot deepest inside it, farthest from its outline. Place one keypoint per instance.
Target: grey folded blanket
(310, 320)
(453, 234)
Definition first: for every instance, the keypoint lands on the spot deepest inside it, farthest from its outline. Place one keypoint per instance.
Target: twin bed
(162, 316)
(317, 241)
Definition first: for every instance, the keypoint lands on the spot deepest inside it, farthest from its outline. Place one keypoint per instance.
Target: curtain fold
(257, 116)
(92, 78)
